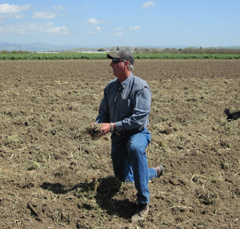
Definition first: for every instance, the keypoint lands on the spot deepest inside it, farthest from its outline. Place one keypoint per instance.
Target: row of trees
(158, 50)
(190, 50)
(14, 52)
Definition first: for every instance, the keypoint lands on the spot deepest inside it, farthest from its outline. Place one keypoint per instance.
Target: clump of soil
(94, 131)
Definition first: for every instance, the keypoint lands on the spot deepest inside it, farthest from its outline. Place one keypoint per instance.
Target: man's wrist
(112, 127)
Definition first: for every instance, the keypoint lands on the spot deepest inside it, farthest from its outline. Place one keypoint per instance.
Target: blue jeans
(130, 161)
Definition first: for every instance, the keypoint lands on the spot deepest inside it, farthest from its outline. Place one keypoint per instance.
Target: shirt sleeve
(141, 110)
(103, 114)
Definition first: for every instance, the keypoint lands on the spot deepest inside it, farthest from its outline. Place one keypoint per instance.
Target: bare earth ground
(53, 175)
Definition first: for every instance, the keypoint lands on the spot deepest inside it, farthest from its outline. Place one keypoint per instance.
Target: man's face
(118, 66)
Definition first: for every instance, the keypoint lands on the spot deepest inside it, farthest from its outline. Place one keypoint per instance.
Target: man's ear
(126, 62)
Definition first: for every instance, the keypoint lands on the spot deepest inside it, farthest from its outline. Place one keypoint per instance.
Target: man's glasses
(116, 61)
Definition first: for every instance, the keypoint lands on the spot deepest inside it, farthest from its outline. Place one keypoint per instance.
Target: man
(124, 112)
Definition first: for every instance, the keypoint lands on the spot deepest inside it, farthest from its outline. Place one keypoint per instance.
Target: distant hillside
(34, 47)
(42, 47)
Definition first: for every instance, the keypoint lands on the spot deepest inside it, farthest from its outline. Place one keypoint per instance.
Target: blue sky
(117, 23)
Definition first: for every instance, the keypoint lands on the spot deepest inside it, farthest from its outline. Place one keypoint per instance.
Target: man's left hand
(105, 128)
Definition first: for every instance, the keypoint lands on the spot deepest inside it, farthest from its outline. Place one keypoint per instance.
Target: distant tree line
(14, 52)
(190, 50)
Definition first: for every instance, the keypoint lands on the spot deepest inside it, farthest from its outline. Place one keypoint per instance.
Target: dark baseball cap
(122, 54)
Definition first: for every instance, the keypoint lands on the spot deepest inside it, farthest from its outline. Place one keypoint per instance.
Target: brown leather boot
(160, 170)
(140, 213)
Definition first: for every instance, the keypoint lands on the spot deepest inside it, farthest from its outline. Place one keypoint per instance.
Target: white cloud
(58, 8)
(18, 16)
(12, 9)
(44, 15)
(84, 6)
(98, 29)
(118, 28)
(93, 21)
(118, 34)
(55, 30)
(148, 4)
(30, 28)
(137, 27)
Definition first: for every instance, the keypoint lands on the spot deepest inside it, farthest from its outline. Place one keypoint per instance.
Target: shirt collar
(126, 81)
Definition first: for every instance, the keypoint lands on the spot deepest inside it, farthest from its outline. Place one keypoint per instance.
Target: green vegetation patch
(52, 56)
(94, 56)
(185, 56)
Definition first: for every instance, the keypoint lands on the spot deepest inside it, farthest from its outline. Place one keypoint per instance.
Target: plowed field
(53, 175)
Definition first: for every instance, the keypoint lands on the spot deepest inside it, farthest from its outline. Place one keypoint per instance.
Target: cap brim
(113, 56)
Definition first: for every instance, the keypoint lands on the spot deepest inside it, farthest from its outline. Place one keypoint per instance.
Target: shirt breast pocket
(126, 106)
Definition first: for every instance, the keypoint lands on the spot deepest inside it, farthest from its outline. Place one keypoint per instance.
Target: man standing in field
(124, 112)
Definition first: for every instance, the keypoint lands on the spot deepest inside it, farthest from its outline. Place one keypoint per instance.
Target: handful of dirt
(94, 131)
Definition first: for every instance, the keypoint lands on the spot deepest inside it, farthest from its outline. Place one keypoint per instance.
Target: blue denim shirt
(127, 104)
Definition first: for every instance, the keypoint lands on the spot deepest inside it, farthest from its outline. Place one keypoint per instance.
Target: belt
(124, 132)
